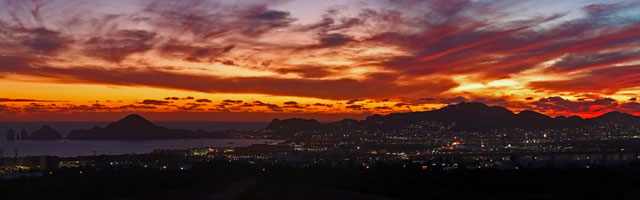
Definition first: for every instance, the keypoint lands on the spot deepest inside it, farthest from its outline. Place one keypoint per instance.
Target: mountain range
(468, 116)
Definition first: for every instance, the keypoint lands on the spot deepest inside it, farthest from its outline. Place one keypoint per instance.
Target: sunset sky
(234, 60)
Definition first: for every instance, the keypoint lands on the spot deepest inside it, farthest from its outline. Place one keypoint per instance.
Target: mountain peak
(133, 119)
(46, 128)
(477, 108)
(45, 133)
(130, 127)
(464, 105)
(132, 122)
(574, 117)
(618, 117)
(615, 113)
(292, 124)
(531, 113)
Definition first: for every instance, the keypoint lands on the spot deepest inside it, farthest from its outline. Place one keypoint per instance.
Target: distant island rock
(11, 135)
(45, 133)
(24, 135)
(135, 127)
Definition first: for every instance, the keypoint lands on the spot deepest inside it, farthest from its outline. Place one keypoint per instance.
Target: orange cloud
(378, 57)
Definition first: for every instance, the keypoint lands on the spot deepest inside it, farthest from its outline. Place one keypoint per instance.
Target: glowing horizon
(202, 60)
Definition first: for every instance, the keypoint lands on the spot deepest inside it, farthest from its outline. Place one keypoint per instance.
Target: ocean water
(67, 148)
(65, 127)
(70, 148)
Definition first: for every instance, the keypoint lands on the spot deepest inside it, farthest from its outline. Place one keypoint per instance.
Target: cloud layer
(366, 57)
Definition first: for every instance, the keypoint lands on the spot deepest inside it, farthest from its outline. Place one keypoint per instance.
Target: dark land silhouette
(471, 116)
(11, 134)
(135, 127)
(225, 180)
(602, 162)
(466, 116)
(45, 133)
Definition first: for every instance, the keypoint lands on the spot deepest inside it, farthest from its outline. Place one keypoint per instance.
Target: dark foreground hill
(135, 127)
(225, 180)
(466, 117)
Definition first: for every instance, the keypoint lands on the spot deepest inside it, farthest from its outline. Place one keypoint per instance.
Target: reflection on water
(67, 148)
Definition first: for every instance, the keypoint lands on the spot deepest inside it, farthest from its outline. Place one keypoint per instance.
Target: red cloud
(25, 100)
(204, 101)
(605, 80)
(154, 102)
(595, 53)
(374, 86)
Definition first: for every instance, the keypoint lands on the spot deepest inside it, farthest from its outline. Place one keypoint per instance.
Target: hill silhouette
(135, 127)
(467, 116)
(618, 118)
(288, 127)
(45, 133)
